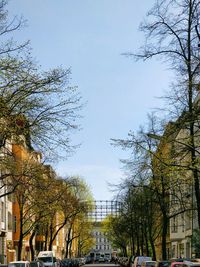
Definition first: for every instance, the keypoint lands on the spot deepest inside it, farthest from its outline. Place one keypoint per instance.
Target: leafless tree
(171, 34)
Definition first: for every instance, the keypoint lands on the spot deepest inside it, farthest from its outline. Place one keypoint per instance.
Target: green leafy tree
(116, 231)
(83, 196)
(30, 198)
(85, 238)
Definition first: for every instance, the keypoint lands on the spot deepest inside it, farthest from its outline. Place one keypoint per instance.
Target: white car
(138, 260)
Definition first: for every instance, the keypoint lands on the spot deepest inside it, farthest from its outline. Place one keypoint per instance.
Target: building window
(174, 224)
(173, 251)
(15, 224)
(2, 211)
(183, 222)
(174, 199)
(9, 221)
(188, 219)
(97, 247)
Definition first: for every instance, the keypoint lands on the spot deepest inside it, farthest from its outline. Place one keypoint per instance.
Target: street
(104, 264)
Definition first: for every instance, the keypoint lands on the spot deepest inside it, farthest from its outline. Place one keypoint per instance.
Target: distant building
(103, 246)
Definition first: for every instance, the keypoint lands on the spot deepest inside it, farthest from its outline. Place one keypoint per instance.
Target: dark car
(163, 264)
(66, 263)
(36, 264)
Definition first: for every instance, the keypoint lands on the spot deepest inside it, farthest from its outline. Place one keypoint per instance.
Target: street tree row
(163, 169)
(38, 112)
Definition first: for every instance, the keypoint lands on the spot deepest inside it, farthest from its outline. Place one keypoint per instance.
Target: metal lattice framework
(102, 208)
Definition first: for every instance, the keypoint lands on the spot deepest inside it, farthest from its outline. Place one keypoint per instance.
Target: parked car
(101, 259)
(66, 262)
(163, 264)
(197, 260)
(138, 260)
(48, 258)
(82, 261)
(97, 256)
(107, 258)
(36, 263)
(75, 262)
(185, 264)
(19, 264)
(148, 264)
(88, 259)
(123, 261)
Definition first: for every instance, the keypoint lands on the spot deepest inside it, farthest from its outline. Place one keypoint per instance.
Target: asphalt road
(103, 264)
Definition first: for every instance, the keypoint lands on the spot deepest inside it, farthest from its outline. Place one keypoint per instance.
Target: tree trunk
(146, 241)
(164, 237)
(67, 250)
(142, 240)
(46, 239)
(152, 248)
(132, 245)
(70, 249)
(138, 245)
(68, 242)
(51, 237)
(20, 243)
(31, 245)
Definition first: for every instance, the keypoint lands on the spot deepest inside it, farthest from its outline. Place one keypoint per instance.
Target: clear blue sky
(89, 36)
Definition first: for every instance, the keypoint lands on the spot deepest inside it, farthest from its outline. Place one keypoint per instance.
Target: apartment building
(20, 151)
(174, 147)
(182, 203)
(6, 218)
(102, 245)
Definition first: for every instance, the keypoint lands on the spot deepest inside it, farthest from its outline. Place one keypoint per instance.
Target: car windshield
(45, 259)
